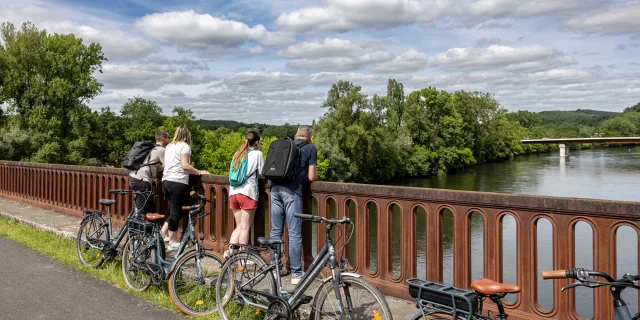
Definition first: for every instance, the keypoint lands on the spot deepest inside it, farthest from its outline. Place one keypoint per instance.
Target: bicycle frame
(327, 254)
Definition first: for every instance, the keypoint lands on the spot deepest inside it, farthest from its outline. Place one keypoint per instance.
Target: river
(602, 173)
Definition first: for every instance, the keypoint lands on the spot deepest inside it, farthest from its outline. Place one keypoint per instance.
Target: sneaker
(283, 272)
(295, 279)
(166, 239)
(173, 247)
(226, 254)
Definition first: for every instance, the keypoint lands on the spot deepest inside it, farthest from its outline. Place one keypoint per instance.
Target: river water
(603, 173)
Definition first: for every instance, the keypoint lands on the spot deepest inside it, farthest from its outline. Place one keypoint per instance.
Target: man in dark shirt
(286, 200)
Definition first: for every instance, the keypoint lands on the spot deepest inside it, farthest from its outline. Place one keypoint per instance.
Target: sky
(273, 61)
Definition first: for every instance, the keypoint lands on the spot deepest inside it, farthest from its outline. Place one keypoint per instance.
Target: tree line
(47, 81)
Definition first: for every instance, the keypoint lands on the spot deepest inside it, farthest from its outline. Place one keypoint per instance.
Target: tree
(46, 81)
(634, 108)
(142, 118)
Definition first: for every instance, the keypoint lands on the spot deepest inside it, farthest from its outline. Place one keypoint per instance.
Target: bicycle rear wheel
(192, 284)
(244, 270)
(135, 254)
(365, 301)
(92, 236)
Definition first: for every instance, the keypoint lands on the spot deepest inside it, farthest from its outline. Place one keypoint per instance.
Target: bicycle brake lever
(571, 286)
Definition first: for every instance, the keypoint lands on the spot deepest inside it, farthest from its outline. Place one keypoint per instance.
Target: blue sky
(273, 61)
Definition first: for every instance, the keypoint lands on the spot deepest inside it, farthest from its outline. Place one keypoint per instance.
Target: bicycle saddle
(154, 216)
(269, 241)
(489, 287)
(106, 202)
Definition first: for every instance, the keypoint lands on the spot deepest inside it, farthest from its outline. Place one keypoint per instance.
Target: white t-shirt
(172, 169)
(255, 162)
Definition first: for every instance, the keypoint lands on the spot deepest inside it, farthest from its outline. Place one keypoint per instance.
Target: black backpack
(282, 161)
(140, 151)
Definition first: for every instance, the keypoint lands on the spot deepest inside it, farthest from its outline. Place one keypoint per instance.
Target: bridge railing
(399, 231)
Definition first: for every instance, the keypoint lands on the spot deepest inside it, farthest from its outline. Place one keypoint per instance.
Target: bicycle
(438, 301)
(95, 242)
(244, 271)
(192, 272)
(585, 279)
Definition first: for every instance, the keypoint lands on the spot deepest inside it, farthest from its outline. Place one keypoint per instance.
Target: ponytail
(249, 140)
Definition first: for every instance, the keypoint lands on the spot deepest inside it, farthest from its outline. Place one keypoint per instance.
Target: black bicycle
(192, 273)
(256, 288)
(585, 278)
(96, 242)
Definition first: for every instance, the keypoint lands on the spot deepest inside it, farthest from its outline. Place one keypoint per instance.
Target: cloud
(255, 82)
(341, 16)
(203, 31)
(257, 50)
(410, 61)
(187, 64)
(169, 92)
(616, 19)
(332, 54)
(531, 58)
(484, 42)
(147, 77)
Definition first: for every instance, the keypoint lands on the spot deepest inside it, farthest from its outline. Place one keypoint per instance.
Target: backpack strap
(148, 158)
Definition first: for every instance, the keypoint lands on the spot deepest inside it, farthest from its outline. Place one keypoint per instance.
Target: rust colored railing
(70, 189)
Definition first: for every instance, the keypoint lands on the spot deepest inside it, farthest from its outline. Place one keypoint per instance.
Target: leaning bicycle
(192, 273)
(96, 241)
(256, 288)
(585, 278)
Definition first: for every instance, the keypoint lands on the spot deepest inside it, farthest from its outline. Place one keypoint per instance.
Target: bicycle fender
(350, 274)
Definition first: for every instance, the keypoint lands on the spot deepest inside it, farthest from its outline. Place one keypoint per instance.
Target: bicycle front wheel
(243, 278)
(92, 236)
(357, 295)
(192, 284)
(135, 255)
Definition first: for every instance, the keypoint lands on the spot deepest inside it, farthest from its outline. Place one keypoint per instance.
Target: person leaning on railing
(175, 181)
(141, 179)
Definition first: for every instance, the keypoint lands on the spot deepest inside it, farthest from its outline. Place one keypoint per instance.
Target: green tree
(142, 118)
(634, 108)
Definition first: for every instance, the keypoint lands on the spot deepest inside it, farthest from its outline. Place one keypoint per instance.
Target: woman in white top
(175, 180)
(243, 199)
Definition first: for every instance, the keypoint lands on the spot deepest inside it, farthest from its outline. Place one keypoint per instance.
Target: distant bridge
(564, 149)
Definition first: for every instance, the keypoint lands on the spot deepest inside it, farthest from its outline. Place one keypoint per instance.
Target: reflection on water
(611, 173)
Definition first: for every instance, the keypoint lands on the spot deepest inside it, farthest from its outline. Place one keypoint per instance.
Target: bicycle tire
(225, 282)
(381, 312)
(203, 301)
(94, 256)
(135, 278)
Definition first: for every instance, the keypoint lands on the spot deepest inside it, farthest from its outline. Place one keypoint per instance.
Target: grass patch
(64, 250)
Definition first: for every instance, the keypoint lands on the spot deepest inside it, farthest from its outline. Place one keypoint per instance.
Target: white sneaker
(227, 254)
(173, 247)
(295, 279)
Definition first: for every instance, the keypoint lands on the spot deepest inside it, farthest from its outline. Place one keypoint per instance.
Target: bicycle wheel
(365, 300)
(135, 254)
(90, 241)
(192, 284)
(241, 273)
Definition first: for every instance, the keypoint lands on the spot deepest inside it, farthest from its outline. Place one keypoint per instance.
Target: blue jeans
(284, 203)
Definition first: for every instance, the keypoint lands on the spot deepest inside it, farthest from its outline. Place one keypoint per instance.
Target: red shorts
(240, 201)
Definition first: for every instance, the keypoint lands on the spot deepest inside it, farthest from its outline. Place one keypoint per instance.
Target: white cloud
(531, 58)
(256, 82)
(499, 8)
(170, 92)
(340, 15)
(256, 50)
(332, 54)
(409, 61)
(147, 77)
(116, 45)
(622, 18)
(203, 31)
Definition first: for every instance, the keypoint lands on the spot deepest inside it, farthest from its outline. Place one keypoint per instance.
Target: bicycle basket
(140, 227)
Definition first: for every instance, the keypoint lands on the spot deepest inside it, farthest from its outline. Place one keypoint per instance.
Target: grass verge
(64, 250)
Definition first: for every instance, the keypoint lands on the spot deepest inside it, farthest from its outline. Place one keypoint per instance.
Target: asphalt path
(34, 286)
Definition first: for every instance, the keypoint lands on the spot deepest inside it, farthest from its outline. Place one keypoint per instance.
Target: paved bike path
(34, 286)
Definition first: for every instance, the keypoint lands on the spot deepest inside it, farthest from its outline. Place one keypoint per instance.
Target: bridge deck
(611, 140)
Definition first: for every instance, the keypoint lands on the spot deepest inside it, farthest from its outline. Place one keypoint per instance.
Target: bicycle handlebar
(554, 274)
(313, 218)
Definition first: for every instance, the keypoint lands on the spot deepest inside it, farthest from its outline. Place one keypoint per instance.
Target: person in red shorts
(243, 199)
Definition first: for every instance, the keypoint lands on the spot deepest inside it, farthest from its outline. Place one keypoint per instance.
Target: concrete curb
(59, 233)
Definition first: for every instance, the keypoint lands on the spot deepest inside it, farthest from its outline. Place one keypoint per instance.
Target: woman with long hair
(243, 195)
(175, 180)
